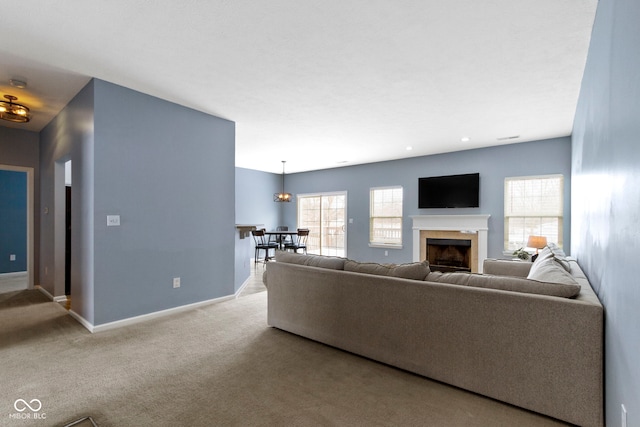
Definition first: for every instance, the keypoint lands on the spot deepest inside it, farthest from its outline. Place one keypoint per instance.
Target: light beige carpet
(216, 365)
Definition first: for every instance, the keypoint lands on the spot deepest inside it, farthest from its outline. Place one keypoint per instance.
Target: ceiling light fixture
(13, 112)
(506, 138)
(282, 196)
(465, 139)
(18, 83)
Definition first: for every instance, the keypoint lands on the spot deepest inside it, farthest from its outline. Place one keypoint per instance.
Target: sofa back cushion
(414, 270)
(506, 267)
(506, 283)
(331, 262)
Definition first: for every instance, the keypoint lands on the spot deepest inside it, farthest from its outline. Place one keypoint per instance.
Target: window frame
(508, 216)
(398, 244)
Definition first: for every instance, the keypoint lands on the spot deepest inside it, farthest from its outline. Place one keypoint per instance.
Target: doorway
(27, 223)
(67, 228)
(325, 215)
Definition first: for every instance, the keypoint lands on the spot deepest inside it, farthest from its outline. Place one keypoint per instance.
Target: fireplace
(473, 228)
(447, 255)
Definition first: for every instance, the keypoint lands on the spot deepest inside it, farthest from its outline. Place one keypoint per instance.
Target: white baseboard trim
(59, 298)
(144, 317)
(11, 275)
(84, 322)
(241, 288)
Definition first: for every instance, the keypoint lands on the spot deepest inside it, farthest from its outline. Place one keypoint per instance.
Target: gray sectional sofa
(531, 342)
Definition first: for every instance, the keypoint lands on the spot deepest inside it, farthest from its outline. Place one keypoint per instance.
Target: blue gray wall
(164, 169)
(254, 205)
(69, 136)
(606, 194)
(169, 172)
(13, 221)
(551, 156)
(254, 197)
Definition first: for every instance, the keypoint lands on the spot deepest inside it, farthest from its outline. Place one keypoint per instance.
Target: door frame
(30, 220)
(323, 194)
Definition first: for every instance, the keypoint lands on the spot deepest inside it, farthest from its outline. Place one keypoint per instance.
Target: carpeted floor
(216, 365)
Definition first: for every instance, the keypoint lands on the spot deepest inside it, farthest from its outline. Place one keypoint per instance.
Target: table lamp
(537, 242)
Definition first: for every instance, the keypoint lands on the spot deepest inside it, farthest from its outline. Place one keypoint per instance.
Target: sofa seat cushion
(413, 270)
(506, 283)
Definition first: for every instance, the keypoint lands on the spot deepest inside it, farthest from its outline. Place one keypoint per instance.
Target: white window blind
(532, 206)
(385, 226)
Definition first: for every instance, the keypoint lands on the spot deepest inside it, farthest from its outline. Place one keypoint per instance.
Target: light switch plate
(113, 220)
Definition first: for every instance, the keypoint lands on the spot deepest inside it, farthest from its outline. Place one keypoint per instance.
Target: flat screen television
(452, 191)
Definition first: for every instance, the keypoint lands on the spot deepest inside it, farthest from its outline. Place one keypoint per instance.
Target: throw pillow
(548, 270)
(557, 251)
(559, 256)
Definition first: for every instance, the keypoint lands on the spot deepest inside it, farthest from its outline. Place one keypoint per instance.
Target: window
(532, 206)
(385, 227)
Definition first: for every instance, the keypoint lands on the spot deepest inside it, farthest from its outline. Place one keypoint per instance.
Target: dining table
(280, 236)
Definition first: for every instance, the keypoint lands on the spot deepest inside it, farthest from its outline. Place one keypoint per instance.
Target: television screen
(453, 191)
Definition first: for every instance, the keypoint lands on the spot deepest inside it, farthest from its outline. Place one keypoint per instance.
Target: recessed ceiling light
(465, 139)
(18, 83)
(409, 148)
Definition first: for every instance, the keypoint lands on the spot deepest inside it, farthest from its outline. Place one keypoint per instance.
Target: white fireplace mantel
(472, 224)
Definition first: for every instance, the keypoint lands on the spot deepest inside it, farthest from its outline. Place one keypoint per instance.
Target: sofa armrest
(506, 267)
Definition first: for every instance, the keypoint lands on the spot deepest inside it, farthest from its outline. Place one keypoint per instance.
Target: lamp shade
(537, 242)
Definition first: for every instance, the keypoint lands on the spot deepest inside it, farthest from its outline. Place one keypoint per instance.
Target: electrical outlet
(12, 257)
(624, 416)
(113, 220)
(176, 282)
(386, 253)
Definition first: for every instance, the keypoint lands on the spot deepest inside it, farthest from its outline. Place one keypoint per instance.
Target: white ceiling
(319, 84)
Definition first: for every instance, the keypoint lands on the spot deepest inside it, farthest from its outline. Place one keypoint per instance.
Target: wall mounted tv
(452, 191)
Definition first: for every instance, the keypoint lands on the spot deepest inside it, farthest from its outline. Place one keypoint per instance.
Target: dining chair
(299, 241)
(262, 243)
(283, 239)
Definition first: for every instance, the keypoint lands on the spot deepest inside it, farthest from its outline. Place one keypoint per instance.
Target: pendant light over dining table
(282, 196)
